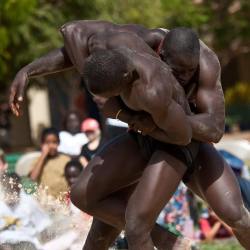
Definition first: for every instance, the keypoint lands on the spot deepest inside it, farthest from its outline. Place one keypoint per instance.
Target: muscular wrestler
(214, 177)
(145, 84)
(55, 62)
(201, 80)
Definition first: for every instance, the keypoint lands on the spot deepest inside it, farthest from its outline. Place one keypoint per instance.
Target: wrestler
(201, 81)
(208, 63)
(145, 84)
(39, 67)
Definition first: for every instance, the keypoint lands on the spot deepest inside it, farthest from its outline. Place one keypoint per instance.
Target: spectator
(48, 169)
(21, 218)
(72, 139)
(176, 215)
(92, 130)
(212, 227)
(3, 163)
(71, 172)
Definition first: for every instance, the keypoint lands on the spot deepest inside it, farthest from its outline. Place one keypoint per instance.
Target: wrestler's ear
(126, 75)
(161, 54)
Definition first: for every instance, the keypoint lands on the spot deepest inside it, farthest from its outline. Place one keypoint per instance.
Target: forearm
(36, 171)
(163, 136)
(116, 109)
(55, 61)
(205, 128)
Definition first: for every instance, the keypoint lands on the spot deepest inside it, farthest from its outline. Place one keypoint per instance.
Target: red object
(89, 124)
(207, 224)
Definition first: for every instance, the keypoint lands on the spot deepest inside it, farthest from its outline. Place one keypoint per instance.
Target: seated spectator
(213, 228)
(176, 215)
(48, 169)
(92, 130)
(71, 172)
(3, 163)
(71, 138)
(21, 217)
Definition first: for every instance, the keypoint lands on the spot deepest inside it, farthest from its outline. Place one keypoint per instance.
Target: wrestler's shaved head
(181, 51)
(104, 71)
(183, 41)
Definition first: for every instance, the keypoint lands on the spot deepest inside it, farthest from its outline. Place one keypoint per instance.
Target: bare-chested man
(214, 179)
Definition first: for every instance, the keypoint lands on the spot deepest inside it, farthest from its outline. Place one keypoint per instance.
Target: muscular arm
(112, 107)
(55, 61)
(208, 124)
(168, 115)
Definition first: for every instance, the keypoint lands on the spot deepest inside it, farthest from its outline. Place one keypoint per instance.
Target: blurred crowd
(35, 207)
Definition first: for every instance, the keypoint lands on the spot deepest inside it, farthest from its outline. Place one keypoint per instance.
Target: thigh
(118, 165)
(156, 186)
(217, 183)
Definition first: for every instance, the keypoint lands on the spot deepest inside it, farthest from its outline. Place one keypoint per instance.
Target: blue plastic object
(232, 160)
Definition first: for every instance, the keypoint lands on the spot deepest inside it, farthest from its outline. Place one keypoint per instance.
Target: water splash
(68, 227)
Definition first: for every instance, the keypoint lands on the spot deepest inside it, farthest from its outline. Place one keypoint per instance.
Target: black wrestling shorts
(186, 154)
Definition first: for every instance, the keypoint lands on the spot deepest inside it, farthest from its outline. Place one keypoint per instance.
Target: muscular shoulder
(209, 67)
(79, 26)
(157, 81)
(128, 40)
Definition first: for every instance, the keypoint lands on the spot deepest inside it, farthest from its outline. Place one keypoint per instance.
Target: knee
(237, 217)
(243, 221)
(80, 198)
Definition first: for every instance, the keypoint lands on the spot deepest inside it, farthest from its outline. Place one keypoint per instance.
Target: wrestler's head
(106, 73)
(72, 171)
(181, 51)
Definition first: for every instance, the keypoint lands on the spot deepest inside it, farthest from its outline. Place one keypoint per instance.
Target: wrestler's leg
(118, 165)
(100, 236)
(157, 185)
(217, 184)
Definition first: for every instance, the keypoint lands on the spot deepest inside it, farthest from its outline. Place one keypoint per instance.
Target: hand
(17, 92)
(45, 150)
(143, 123)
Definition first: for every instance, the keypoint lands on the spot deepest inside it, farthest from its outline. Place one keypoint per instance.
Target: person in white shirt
(72, 139)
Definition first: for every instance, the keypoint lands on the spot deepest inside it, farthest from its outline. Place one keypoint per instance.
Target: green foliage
(29, 28)
(221, 245)
(132, 11)
(238, 94)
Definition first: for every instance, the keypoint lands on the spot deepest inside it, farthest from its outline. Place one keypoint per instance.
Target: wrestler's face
(183, 68)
